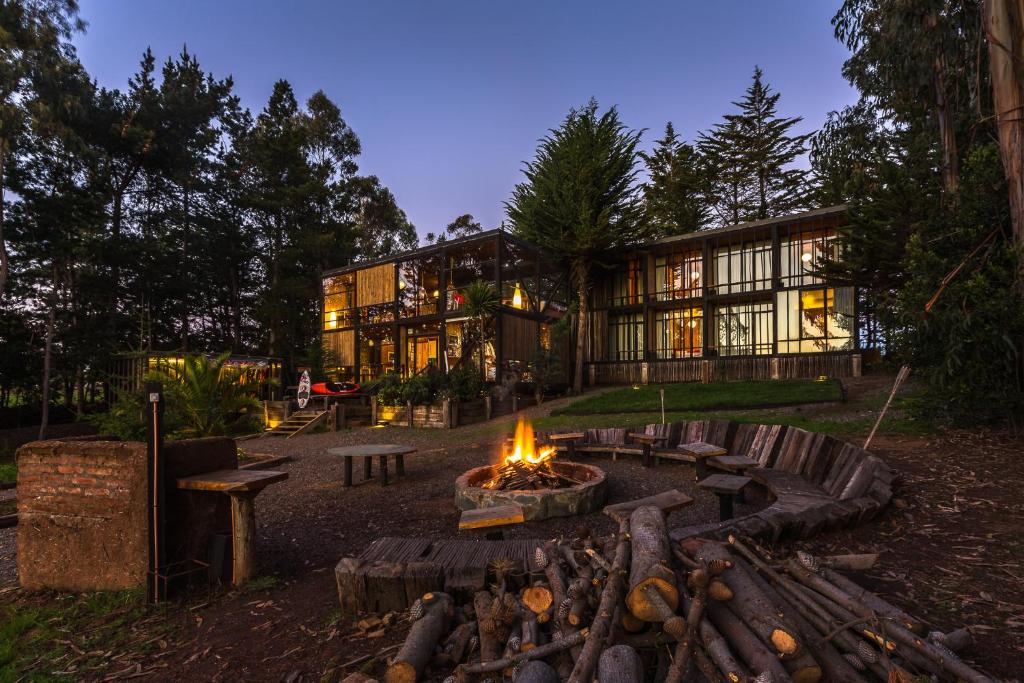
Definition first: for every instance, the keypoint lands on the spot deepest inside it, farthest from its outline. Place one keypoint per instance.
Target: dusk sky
(450, 97)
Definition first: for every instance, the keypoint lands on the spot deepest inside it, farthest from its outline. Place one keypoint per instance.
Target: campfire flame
(524, 448)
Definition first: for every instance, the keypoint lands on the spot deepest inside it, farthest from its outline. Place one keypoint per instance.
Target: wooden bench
(734, 464)
(726, 487)
(242, 486)
(701, 451)
(666, 501)
(570, 438)
(488, 518)
(368, 452)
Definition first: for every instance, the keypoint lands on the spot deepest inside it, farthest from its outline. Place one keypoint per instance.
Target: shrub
(389, 390)
(464, 383)
(418, 390)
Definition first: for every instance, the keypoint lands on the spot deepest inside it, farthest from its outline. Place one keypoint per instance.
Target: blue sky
(449, 97)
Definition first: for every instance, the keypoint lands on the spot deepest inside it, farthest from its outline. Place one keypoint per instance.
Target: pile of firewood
(635, 607)
(521, 475)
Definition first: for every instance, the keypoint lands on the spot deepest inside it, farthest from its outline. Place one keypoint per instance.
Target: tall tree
(463, 226)
(382, 227)
(34, 37)
(723, 149)
(677, 189)
(581, 200)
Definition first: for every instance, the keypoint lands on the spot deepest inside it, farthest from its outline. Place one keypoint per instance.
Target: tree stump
(243, 537)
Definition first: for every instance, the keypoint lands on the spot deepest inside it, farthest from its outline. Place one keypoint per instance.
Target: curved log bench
(815, 482)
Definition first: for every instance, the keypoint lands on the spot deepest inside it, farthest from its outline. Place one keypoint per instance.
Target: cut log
(956, 641)
(620, 664)
(650, 564)
(672, 623)
(536, 672)
(586, 663)
(457, 645)
(718, 590)
(749, 603)
(858, 563)
(538, 598)
(531, 633)
(553, 571)
(423, 637)
(742, 640)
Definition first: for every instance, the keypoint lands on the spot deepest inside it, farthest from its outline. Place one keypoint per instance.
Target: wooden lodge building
(738, 302)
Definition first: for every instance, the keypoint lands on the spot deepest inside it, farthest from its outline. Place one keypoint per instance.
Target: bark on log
(457, 645)
(956, 641)
(751, 650)
(531, 633)
(897, 632)
(583, 671)
(423, 637)
(490, 646)
(650, 564)
(536, 672)
(749, 603)
(694, 615)
(672, 623)
(873, 602)
(556, 579)
(834, 666)
(857, 563)
(620, 664)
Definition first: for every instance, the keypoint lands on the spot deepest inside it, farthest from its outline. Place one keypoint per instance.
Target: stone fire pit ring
(567, 501)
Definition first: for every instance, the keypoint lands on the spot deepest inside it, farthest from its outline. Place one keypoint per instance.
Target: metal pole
(662, 392)
(155, 477)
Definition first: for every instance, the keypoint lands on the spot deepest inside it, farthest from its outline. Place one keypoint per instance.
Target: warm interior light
(693, 323)
(401, 283)
(436, 293)
(524, 449)
(517, 297)
(695, 276)
(806, 257)
(370, 342)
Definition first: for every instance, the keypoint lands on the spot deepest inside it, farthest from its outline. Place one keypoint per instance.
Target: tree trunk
(650, 569)
(3, 245)
(51, 322)
(580, 276)
(1004, 26)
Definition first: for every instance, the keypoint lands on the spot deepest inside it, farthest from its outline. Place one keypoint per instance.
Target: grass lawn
(8, 472)
(718, 396)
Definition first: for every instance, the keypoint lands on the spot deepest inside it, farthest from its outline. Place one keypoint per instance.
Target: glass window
(743, 329)
(743, 268)
(376, 351)
(678, 333)
(467, 263)
(803, 253)
(421, 349)
(678, 276)
(379, 313)
(339, 301)
(419, 283)
(626, 337)
(624, 285)
(813, 320)
(518, 276)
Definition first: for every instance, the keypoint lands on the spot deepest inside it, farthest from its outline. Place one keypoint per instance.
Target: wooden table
(242, 486)
(701, 451)
(726, 487)
(368, 452)
(736, 464)
(647, 441)
(666, 501)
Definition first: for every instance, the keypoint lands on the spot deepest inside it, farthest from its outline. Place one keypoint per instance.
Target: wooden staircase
(298, 423)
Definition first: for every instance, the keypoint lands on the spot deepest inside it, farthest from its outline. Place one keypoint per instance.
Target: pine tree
(676, 193)
(751, 155)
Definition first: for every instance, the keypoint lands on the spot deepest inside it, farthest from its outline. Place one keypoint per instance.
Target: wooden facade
(740, 302)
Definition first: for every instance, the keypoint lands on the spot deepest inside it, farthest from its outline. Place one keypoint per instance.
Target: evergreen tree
(581, 201)
(463, 226)
(724, 151)
(676, 193)
(382, 228)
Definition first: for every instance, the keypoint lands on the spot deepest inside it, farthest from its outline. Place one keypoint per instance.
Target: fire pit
(537, 481)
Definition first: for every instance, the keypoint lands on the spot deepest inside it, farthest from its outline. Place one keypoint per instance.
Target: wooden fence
(805, 366)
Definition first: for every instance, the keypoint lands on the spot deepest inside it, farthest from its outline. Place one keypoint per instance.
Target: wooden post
(341, 422)
(662, 392)
(373, 411)
(776, 368)
(243, 537)
(644, 372)
(155, 485)
(446, 413)
(454, 415)
(487, 407)
(515, 402)
(408, 407)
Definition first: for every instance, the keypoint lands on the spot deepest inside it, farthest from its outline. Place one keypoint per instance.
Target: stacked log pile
(634, 607)
(522, 475)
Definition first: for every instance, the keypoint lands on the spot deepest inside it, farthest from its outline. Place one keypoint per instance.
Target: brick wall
(82, 515)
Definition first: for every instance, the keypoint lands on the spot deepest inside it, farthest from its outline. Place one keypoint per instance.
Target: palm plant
(208, 396)
(482, 303)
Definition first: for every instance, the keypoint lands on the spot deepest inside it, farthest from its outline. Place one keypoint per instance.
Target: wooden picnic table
(726, 487)
(570, 437)
(647, 441)
(368, 452)
(242, 486)
(736, 464)
(701, 451)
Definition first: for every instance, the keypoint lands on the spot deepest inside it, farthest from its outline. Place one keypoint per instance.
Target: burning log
(650, 565)
(423, 637)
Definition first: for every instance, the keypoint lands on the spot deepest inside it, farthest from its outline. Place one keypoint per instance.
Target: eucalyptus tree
(581, 201)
